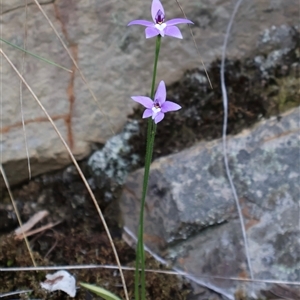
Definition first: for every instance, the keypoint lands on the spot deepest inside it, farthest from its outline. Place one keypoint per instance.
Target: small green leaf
(10, 262)
(100, 291)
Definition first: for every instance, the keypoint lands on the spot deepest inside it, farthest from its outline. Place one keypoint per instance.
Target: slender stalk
(140, 256)
(157, 48)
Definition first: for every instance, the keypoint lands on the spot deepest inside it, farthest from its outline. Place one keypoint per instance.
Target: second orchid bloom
(157, 107)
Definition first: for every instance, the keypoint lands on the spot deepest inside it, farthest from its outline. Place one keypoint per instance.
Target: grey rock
(110, 165)
(191, 217)
(276, 38)
(274, 43)
(117, 62)
(7, 6)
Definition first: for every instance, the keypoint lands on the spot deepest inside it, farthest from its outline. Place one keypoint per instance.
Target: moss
(289, 93)
(78, 240)
(77, 249)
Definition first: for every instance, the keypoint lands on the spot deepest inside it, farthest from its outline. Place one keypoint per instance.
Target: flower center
(156, 109)
(156, 104)
(161, 27)
(160, 17)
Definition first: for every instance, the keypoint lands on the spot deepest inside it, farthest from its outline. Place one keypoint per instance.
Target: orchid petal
(147, 113)
(140, 22)
(162, 33)
(145, 101)
(169, 106)
(155, 7)
(151, 32)
(161, 93)
(159, 117)
(178, 21)
(173, 31)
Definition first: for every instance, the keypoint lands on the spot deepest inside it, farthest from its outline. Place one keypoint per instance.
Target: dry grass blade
(225, 105)
(17, 212)
(25, 229)
(76, 65)
(40, 229)
(195, 44)
(77, 167)
(21, 93)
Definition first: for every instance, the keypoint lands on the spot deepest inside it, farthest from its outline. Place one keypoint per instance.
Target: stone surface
(117, 62)
(110, 165)
(191, 217)
(7, 6)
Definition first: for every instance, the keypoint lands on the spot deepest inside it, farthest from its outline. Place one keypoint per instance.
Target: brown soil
(80, 239)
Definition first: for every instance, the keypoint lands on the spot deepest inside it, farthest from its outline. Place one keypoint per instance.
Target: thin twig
(195, 44)
(53, 246)
(17, 212)
(78, 169)
(125, 268)
(40, 229)
(225, 106)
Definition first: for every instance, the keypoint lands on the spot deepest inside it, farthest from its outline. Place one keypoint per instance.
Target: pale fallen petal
(31, 222)
(60, 281)
(37, 230)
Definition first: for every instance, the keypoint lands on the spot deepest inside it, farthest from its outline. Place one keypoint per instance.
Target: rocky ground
(262, 78)
(259, 86)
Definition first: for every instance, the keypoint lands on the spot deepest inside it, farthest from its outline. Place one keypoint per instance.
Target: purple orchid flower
(160, 26)
(157, 108)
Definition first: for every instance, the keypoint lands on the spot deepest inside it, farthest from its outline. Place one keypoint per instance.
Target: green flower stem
(157, 48)
(140, 256)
